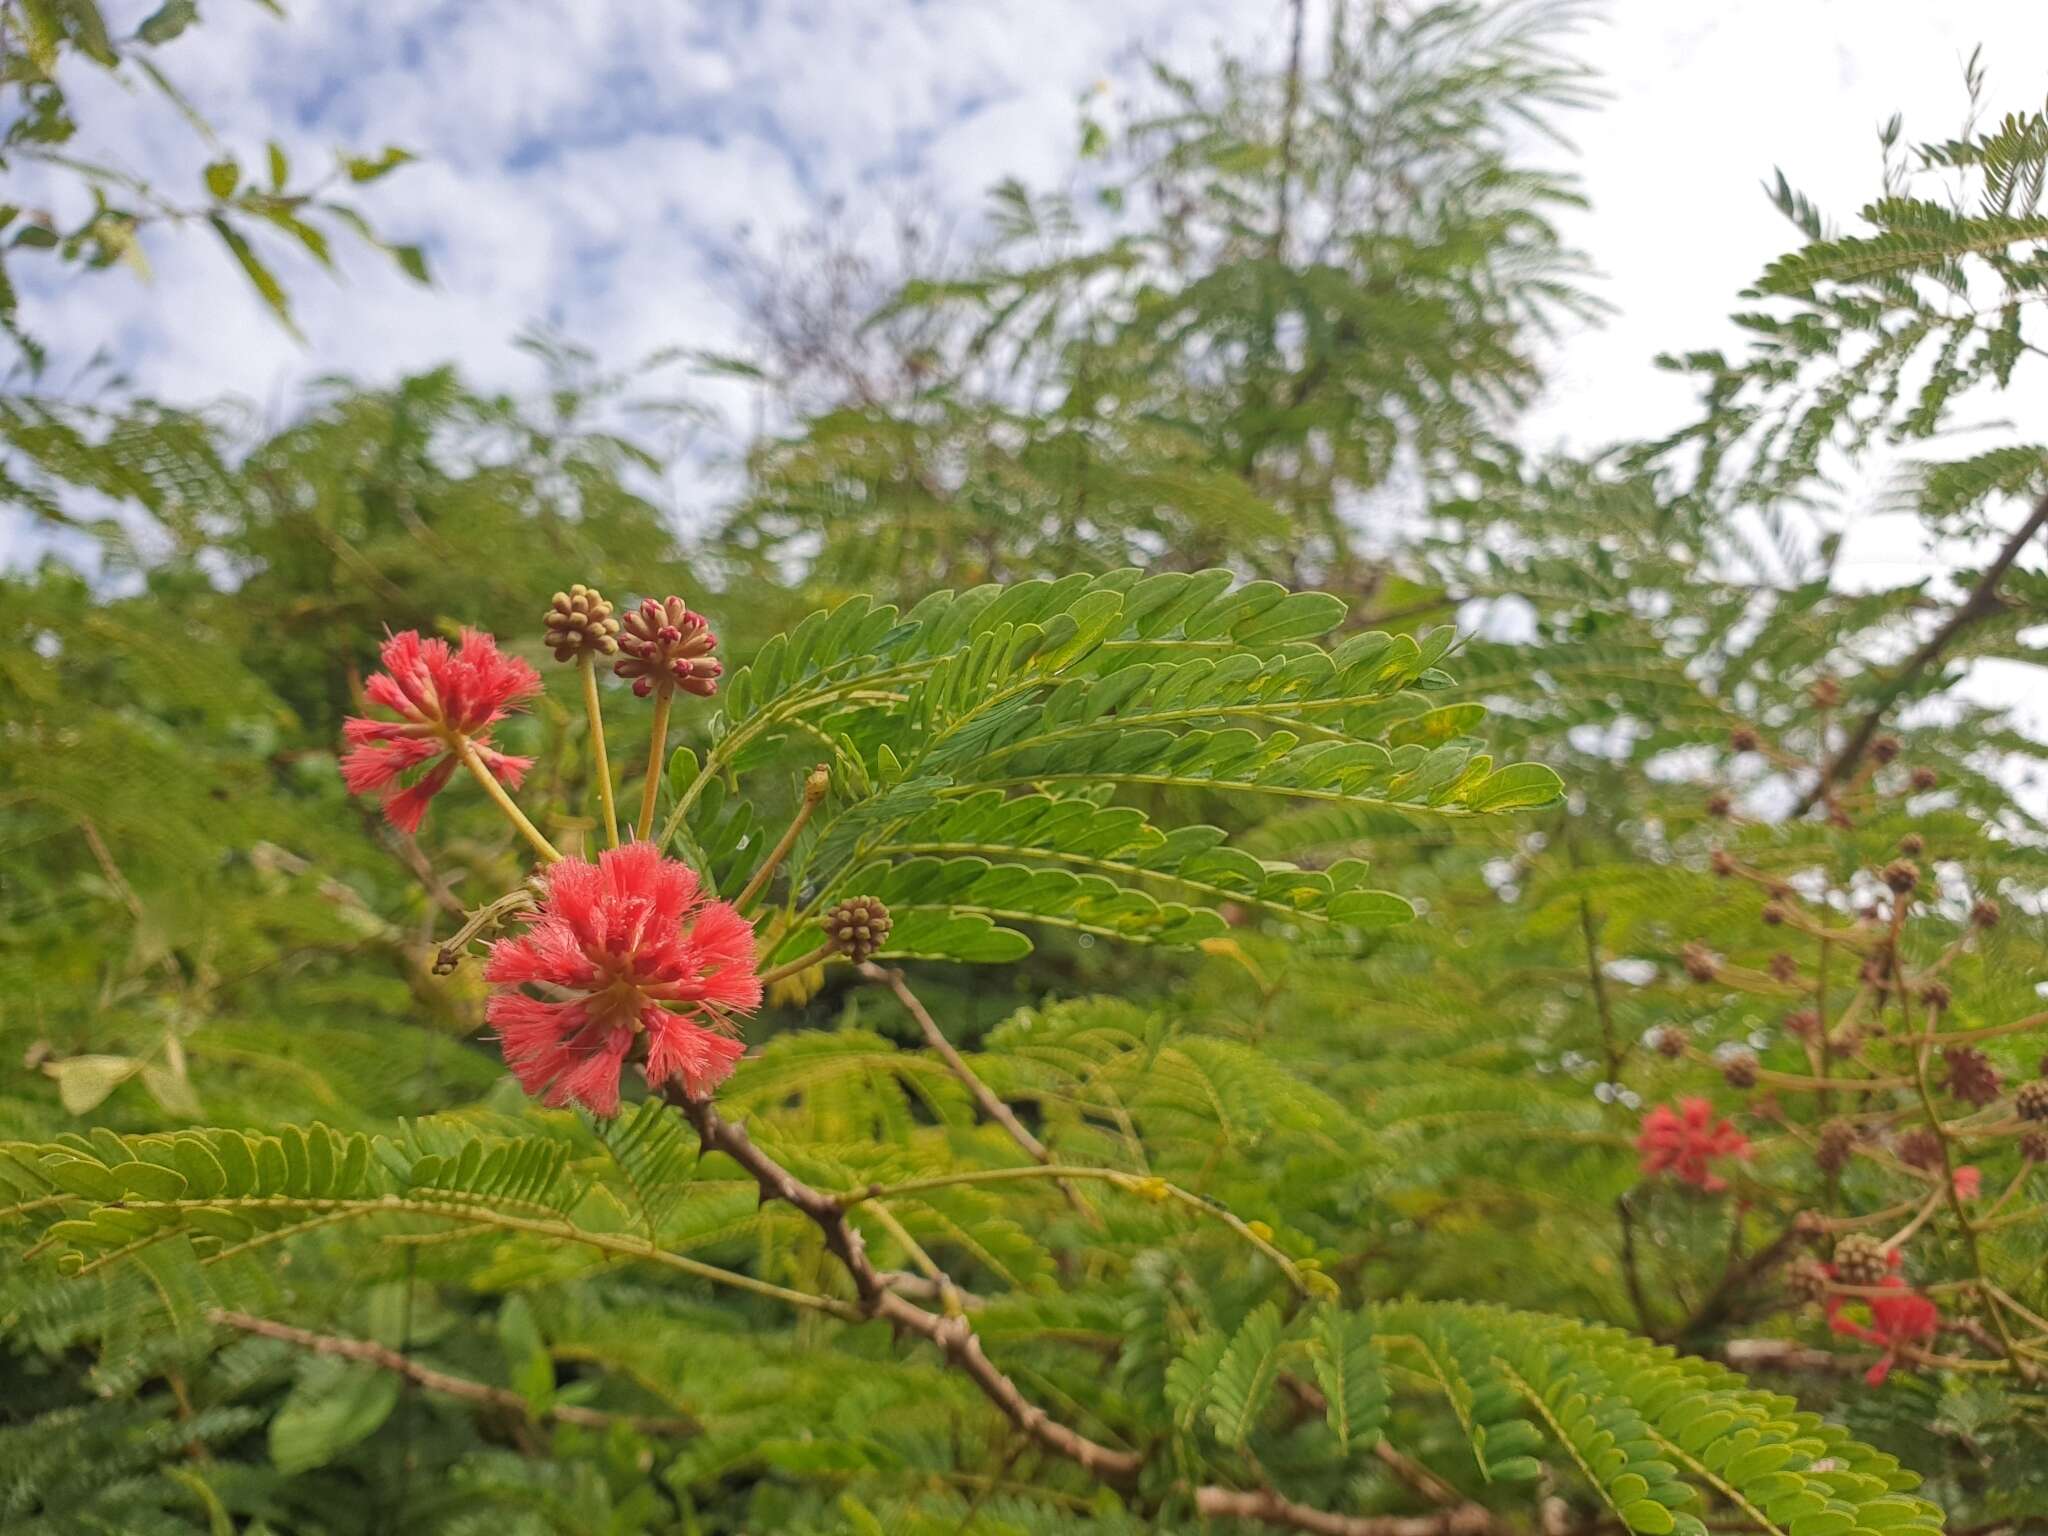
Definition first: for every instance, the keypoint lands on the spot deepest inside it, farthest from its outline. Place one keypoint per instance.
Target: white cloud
(582, 162)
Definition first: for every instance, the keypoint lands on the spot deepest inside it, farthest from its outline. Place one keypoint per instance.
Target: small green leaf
(334, 1405)
(79, 1176)
(260, 276)
(362, 168)
(167, 21)
(222, 177)
(1518, 787)
(89, 28)
(83, 1082)
(683, 769)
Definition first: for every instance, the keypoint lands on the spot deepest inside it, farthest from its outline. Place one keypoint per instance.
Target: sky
(583, 165)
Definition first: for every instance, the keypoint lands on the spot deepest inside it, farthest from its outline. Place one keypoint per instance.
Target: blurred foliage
(46, 47)
(1282, 324)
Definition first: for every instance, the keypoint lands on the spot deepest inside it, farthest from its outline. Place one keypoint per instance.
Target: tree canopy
(1156, 927)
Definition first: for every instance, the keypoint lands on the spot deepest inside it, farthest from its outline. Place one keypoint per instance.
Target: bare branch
(954, 1337)
(991, 1106)
(1982, 601)
(386, 1359)
(1274, 1509)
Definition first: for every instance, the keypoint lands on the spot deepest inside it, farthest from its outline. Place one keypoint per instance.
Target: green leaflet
(1347, 1369)
(974, 742)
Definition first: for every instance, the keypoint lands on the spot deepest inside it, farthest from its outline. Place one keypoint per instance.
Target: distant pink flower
(1899, 1319)
(1681, 1141)
(1968, 1182)
(640, 965)
(443, 698)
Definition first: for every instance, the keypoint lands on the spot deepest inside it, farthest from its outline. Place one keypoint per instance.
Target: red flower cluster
(1681, 1141)
(638, 959)
(445, 700)
(1899, 1318)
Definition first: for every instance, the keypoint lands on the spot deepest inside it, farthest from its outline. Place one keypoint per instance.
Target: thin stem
(487, 916)
(991, 1106)
(816, 785)
(1954, 1197)
(949, 1298)
(1610, 1045)
(651, 790)
(598, 754)
(548, 852)
(953, 1337)
(1270, 1507)
(800, 964)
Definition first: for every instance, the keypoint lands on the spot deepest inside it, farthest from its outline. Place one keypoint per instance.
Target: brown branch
(1787, 1355)
(954, 1337)
(385, 1359)
(880, 1296)
(1721, 1302)
(991, 1106)
(1274, 1509)
(1981, 602)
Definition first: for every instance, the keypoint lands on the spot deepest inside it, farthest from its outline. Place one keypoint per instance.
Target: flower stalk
(548, 852)
(601, 760)
(651, 790)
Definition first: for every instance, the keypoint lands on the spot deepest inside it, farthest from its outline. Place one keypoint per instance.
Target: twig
(954, 1337)
(1287, 114)
(370, 1353)
(1145, 1185)
(800, 964)
(407, 847)
(1785, 1355)
(1403, 1468)
(1983, 599)
(816, 786)
(1274, 1509)
(991, 1106)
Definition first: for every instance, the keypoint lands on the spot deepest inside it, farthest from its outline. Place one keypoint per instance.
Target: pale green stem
(652, 789)
(597, 751)
(548, 852)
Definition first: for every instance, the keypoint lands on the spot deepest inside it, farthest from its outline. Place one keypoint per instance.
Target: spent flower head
(446, 701)
(1682, 1141)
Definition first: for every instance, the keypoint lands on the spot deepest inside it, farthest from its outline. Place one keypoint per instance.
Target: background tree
(1154, 1092)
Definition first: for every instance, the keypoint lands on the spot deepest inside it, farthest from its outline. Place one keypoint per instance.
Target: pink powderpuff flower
(1899, 1318)
(638, 965)
(445, 699)
(1969, 1182)
(1681, 1141)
